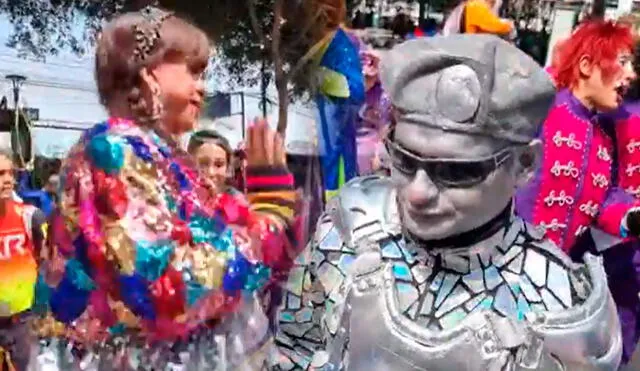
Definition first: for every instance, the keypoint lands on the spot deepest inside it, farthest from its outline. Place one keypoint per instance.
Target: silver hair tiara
(147, 32)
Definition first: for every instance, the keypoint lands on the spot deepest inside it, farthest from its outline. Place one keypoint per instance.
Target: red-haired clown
(574, 187)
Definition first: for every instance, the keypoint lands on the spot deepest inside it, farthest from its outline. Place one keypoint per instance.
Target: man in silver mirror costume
(430, 269)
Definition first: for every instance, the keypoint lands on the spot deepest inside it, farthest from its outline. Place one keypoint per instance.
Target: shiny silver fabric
(363, 298)
(243, 342)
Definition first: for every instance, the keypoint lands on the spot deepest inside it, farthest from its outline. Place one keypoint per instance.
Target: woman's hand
(265, 147)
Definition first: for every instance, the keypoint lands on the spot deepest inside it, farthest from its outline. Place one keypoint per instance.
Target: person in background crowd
(430, 27)
(52, 187)
(36, 197)
(552, 69)
(214, 158)
(239, 164)
(374, 115)
(477, 16)
(22, 240)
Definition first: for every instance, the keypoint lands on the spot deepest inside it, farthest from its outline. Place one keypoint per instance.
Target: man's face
(7, 180)
(608, 94)
(450, 197)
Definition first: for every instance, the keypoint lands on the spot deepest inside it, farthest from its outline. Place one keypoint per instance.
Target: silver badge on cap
(458, 93)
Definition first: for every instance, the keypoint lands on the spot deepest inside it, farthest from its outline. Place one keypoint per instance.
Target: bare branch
(308, 23)
(254, 21)
(278, 64)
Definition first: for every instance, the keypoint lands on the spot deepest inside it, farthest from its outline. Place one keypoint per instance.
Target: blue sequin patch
(182, 180)
(95, 130)
(106, 152)
(153, 259)
(137, 296)
(140, 148)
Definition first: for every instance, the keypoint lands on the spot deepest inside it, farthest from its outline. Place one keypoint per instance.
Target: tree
(280, 33)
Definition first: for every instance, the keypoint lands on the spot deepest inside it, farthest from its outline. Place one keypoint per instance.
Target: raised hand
(265, 147)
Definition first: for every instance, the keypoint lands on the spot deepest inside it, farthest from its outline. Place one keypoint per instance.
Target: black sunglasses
(449, 173)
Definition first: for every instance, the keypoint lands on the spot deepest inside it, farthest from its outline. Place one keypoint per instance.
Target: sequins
(106, 152)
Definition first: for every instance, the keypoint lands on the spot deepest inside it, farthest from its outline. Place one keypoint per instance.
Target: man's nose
(422, 191)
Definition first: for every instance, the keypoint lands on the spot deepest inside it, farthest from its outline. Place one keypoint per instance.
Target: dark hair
(634, 90)
(201, 137)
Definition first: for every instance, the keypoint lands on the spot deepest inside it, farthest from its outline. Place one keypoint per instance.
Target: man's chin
(434, 231)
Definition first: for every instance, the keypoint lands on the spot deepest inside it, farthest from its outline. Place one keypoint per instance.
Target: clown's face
(370, 68)
(606, 93)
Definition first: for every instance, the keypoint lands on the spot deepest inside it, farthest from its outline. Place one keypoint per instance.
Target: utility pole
(263, 87)
(16, 83)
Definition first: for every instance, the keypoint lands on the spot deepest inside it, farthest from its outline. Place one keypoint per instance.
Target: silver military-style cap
(476, 84)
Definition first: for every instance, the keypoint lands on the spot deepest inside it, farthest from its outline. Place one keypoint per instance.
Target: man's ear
(585, 65)
(527, 161)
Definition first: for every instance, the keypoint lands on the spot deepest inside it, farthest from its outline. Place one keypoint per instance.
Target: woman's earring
(157, 108)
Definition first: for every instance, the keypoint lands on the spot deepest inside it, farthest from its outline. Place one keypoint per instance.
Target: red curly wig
(603, 41)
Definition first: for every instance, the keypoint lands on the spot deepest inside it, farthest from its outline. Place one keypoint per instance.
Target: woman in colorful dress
(151, 267)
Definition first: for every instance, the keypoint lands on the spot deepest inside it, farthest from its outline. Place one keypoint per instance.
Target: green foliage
(45, 27)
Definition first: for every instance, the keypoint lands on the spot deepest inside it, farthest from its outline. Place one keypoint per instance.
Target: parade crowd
(495, 223)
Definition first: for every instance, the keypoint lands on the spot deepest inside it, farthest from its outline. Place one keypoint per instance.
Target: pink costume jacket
(628, 143)
(575, 186)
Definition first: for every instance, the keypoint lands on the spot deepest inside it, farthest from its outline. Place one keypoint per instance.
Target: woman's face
(182, 90)
(608, 94)
(212, 162)
(7, 180)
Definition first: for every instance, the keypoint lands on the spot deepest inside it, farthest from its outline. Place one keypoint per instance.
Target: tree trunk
(598, 8)
(281, 78)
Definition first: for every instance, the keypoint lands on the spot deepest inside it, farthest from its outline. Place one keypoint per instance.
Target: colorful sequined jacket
(146, 245)
(575, 187)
